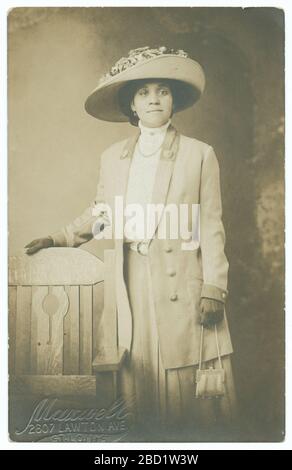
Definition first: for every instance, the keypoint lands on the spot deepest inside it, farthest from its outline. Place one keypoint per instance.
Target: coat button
(168, 249)
(173, 297)
(171, 272)
(223, 295)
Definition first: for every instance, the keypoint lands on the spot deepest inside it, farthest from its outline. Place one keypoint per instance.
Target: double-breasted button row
(171, 272)
(173, 297)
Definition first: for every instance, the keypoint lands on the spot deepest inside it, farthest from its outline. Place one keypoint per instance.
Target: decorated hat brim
(103, 103)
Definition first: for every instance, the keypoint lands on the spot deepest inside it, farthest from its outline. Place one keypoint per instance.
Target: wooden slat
(40, 332)
(53, 385)
(23, 334)
(71, 332)
(12, 326)
(55, 365)
(97, 329)
(85, 330)
(55, 266)
(37, 291)
(50, 331)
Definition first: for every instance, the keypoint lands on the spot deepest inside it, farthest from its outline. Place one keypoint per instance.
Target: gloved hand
(212, 312)
(38, 244)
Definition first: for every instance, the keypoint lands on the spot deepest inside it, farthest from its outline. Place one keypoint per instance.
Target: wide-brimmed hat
(146, 63)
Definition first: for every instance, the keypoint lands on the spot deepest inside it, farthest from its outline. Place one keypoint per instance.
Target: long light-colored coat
(188, 173)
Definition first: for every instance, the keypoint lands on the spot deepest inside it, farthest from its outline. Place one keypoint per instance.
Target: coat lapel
(120, 178)
(164, 173)
(124, 165)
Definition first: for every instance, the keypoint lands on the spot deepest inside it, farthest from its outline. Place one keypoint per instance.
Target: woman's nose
(153, 98)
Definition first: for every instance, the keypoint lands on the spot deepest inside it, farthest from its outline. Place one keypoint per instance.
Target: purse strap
(201, 347)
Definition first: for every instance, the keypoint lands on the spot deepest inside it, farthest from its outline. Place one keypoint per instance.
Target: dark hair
(181, 94)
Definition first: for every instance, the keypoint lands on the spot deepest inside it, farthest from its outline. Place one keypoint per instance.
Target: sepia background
(55, 57)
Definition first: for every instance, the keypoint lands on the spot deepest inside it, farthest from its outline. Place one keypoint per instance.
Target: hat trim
(119, 75)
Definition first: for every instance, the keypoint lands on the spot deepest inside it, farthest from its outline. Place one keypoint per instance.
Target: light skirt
(164, 397)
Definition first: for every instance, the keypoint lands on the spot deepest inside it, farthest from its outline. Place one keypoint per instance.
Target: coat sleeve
(89, 223)
(212, 233)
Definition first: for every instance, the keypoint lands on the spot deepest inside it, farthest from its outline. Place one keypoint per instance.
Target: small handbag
(209, 382)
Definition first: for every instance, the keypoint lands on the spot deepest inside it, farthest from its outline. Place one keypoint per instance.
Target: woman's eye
(162, 91)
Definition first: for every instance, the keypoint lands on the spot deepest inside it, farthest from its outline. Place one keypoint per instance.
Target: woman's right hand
(38, 244)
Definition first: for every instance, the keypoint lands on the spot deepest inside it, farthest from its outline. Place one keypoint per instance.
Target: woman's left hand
(212, 312)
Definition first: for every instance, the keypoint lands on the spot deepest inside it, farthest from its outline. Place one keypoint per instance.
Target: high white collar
(153, 131)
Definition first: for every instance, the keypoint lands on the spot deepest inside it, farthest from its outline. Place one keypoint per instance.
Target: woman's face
(153, 103)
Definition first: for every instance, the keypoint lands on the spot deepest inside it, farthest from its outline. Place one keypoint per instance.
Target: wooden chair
(62, 323)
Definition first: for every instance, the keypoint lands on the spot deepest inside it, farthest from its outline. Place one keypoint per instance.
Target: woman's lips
(155, 111)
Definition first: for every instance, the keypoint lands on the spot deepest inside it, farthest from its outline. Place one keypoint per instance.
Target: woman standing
(167, 287)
